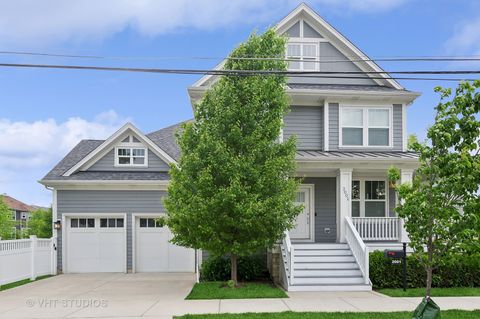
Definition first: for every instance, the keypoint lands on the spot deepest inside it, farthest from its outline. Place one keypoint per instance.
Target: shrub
(458, 271)
(218, 269)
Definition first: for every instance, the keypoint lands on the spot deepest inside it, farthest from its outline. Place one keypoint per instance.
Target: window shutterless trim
(365, 126)
(131, 156)
(363, 200)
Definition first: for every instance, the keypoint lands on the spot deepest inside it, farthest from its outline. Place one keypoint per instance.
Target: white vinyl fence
(26, 258)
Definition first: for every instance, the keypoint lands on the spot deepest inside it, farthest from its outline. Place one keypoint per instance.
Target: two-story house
(21, 214)
(350, 130)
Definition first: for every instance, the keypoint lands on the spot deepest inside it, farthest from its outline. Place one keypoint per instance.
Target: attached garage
(95, 244)
(154, 253)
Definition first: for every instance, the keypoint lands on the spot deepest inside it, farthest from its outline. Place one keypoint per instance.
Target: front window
(369, 198)
(304, 56)
(367, 127)
(131, 156)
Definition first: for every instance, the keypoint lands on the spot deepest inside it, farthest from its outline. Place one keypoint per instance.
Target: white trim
(326, 125)
(131, 148)
(66, 216)
(335, 37)
(105, 147)
(365, 126)
(331, 35)
(311, 189)
(301, 58)
(55, 231)
(134, 229)
(362, 199)
(404, 128)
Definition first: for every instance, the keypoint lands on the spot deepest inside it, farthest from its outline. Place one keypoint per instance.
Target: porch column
(406, 176)
(344, 183)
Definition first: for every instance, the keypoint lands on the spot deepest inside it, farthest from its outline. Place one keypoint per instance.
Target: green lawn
(21, 282)
(217, 290)
(436, 292)
(447, 314)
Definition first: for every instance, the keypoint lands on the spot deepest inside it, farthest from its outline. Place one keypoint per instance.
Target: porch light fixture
(57, 225)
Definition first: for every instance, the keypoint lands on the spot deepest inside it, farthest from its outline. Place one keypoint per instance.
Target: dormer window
(131, 156)
(305, 53)
(131, 153)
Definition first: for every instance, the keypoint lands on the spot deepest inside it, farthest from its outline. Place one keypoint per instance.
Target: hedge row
(458, 271)
(249, 268)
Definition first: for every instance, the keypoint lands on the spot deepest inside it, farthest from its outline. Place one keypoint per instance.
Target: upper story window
(131, 156)
(365, 126)
(304, 56)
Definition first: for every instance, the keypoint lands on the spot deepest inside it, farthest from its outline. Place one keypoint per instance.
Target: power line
(316, 74)
(473, 58)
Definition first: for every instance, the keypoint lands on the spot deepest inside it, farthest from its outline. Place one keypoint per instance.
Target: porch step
(314, 246)
(328, 280)
(327, 272)
(324, 258)
(324, 267)
(317, 287)
(322, 252)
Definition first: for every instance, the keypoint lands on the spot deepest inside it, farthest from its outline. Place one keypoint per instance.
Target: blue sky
(43, 113)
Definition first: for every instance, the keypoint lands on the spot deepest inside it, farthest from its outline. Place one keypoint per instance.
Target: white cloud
(33, 23)
(465, 39)
(28, 150)
(366, 6)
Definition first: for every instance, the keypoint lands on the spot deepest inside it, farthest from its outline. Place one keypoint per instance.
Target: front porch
(348, 212)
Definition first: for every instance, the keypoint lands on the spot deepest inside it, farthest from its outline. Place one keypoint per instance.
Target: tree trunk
(429, 281)
(233, 269)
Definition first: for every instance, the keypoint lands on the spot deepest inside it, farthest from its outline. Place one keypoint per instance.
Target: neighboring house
(107, 193)
(21, 214)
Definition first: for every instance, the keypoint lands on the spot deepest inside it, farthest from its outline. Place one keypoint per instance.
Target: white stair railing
(358, 247)
(289, 253)
(377, 228)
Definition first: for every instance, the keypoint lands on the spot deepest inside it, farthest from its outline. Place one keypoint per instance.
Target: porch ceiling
(377, 160)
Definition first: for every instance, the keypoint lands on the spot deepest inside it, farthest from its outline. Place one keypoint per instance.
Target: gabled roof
(15, 204)
(165, 139)
(106, 145)
(329, 33)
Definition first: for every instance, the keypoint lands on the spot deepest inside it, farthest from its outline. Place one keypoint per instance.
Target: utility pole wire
(472, 58)
(304, 74)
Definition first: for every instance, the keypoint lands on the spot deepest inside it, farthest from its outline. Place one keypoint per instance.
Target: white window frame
(365, 126)
(131, 147)
(301, 59)
(363, 200)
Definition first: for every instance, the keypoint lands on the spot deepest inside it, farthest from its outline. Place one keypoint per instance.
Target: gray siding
(334, 127)
(306, 122)
(128, 202)
(333, 133)
(391, 202)
(325, 207)
(328, 53)
(397, 127)
(107, 162)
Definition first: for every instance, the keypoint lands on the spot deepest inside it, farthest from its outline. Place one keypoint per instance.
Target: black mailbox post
(401, 256)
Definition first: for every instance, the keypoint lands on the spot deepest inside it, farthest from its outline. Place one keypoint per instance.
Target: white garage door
(154, 253)
(95, 244)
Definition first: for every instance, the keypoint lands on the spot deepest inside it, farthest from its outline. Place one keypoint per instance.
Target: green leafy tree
(6, 221)
(412, 139)
(232, 192)
(441, 205)
(40, 224)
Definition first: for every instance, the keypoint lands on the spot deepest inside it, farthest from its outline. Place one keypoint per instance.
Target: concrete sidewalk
(162, 296)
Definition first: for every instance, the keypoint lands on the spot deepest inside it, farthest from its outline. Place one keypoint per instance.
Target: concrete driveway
(102, 296)
(162, 295)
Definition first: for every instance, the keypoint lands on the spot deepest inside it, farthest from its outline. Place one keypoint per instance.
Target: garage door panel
(92, 248)
(154, 252)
